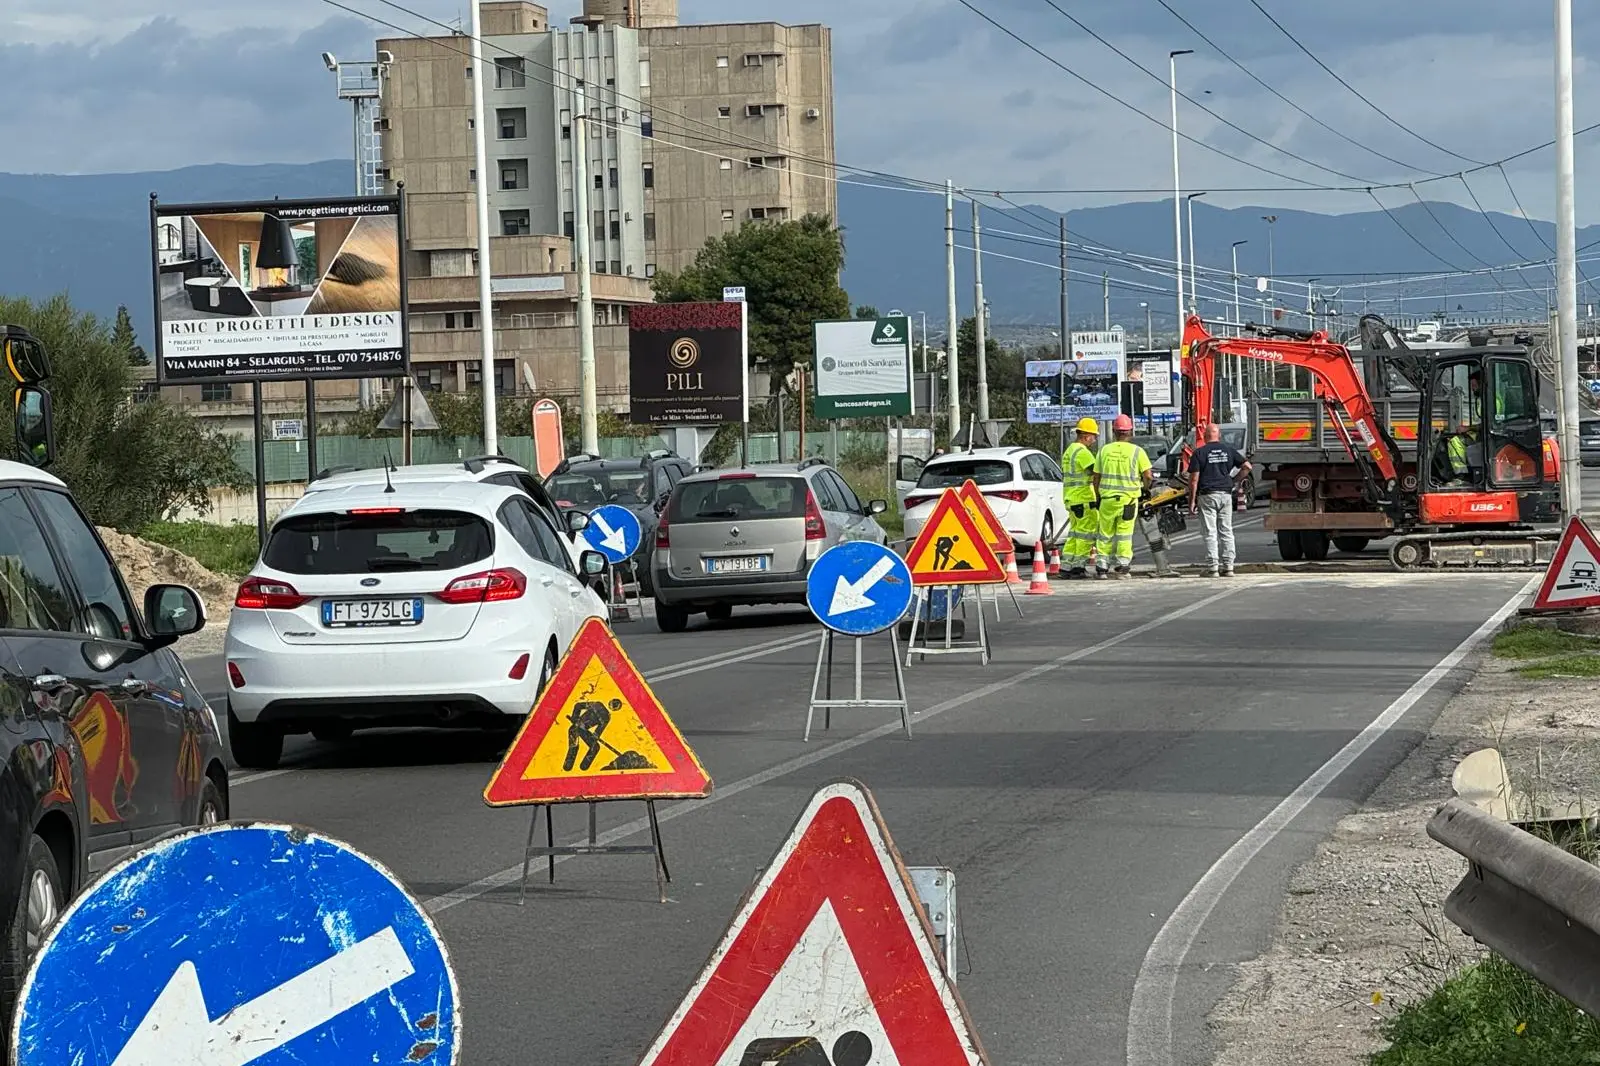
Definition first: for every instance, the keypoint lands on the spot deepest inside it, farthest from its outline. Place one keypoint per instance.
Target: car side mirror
(877, 506)
(577, 521)
(592, 563)
(35, 429)
(173, 611)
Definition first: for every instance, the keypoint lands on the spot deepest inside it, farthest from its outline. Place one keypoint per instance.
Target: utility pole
(1567, 266)
(491, 430)
(980, 333)
(951, 345)
(1272, 264)
(1066, 323)
(1177, 182)
(1149, 328)
(1237, 311)
(589, 404)
(1105, 297)
(1194, 280)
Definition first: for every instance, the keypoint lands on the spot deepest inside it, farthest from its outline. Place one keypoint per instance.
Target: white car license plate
(347, 614)
(738, 564)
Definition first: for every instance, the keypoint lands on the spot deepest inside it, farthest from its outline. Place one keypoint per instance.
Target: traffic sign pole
(857, 589)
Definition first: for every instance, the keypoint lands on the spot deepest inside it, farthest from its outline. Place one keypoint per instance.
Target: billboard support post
(261, 465)
(311, 430)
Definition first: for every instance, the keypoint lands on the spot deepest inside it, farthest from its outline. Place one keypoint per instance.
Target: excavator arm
(1339, 386)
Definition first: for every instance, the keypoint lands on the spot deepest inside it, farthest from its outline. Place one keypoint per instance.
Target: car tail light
(918, 501)
(519, 669)
(266, 594)
(376, 510)
(489, 586)
(1014, 495)
(662, 538)
(816, 528)
(235, 675)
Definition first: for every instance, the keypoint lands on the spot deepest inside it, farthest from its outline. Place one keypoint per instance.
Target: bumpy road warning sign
(983, 516)
(597, 733)
(952, 549)
(1573, 579)
(828, 962)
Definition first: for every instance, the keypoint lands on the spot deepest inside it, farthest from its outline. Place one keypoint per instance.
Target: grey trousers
(1216, 516)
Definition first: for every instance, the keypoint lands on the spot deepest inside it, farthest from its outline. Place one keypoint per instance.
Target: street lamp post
(1149, 329)
(1177, 180)
(1194, 280)
(1311, 302)
(1272, 266)
(1238, 313)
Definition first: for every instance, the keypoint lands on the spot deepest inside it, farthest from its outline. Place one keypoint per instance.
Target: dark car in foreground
(107, 743)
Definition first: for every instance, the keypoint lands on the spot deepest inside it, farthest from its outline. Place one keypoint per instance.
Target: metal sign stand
(550, 850)
(936, 889)
(623, 597)
(924, 598)
(822, 684)
(1011, 589)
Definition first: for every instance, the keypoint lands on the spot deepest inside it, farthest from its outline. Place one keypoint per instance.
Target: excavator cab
(1481, 437)
(29, 366)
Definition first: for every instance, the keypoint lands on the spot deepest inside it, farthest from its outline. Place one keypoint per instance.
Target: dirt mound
(144, 563)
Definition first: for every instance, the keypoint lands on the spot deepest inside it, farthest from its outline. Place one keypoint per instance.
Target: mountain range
(90, 235)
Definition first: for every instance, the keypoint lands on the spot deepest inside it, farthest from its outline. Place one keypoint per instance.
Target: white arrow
(852, 596)
(178, 1030)
(610, 538)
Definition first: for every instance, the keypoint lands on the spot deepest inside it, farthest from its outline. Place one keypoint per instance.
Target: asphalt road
(1126, 736)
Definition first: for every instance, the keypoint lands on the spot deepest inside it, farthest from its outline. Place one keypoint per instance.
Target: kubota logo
(1264, 353)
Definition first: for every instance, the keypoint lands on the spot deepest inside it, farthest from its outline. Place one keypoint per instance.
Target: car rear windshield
(600, 488)
(953, 473)
(738, 497)
(337, 543)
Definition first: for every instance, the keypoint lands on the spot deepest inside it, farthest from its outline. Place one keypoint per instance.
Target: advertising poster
(863, 367)
(1079, 388)
(279, 289)
(686, 364)
(1157, 377)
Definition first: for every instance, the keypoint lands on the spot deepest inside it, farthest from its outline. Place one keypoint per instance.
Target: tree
(790, 271)
(128, 462)
(865, 311)
(126, 341)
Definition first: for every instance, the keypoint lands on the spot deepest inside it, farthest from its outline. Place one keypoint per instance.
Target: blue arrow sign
(613, 531)
(858, 588)
(239, 944)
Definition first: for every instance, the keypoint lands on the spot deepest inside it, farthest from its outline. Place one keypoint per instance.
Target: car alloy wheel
(44, 907)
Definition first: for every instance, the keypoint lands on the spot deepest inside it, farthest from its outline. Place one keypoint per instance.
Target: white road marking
(684, 669)
(512, 874)
(1156, 987)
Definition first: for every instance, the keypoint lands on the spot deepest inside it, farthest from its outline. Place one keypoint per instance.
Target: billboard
(1156, 375)
(863, 367)
(1110, 344)
(279, 289)
(686, 364)
(1078, 388)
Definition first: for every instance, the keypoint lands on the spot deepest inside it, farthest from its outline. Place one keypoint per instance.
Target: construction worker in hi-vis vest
(1121, 474)
(1077, 489)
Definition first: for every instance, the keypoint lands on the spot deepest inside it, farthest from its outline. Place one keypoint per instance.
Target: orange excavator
(1482, 482)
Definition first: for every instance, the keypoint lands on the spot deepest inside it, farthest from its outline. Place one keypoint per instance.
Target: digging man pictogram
(589, 720)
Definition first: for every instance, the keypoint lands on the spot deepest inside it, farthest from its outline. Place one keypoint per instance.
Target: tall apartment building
(694, 130)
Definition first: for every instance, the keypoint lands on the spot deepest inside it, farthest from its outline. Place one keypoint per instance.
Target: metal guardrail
(1525, 898)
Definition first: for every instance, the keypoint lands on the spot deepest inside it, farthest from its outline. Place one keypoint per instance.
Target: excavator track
(1507, 551)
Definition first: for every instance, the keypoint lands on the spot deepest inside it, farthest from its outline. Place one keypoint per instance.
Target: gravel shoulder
(1362, 929)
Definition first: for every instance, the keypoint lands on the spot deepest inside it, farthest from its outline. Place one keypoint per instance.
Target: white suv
(1022, 485)
(417, 603)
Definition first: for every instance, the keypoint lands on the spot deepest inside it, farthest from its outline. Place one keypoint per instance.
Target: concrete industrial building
(694, 131)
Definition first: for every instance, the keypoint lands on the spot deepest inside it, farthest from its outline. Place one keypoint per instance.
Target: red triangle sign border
(685, 778)
(839, 854)
(1547, 598)
(993, 572)
(969, 491)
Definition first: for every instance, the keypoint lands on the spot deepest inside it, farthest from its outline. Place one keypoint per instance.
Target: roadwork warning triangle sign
(597, 733)
(1573, 579)
(829, 961)
(952, 549)
(977, 505)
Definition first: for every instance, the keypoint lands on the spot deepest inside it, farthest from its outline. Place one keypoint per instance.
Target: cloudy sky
(925, 88)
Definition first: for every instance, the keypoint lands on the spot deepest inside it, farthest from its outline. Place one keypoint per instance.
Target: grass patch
(1490, 1014)
(867, 483)
(1563, 666)
(228, 550)
(1538, 642)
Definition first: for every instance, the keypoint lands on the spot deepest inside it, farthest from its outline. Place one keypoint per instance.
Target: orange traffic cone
(1040, 585)
(1012, 577)
(1055, 562)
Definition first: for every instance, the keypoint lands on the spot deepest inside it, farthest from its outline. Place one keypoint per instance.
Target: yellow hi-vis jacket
(1077, 473)
(1121, 466)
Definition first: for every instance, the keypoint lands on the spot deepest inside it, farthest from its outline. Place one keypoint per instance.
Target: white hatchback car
(1022, 485)
(428, 603)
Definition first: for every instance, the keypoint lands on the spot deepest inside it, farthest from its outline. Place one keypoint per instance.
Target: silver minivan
(731, 538)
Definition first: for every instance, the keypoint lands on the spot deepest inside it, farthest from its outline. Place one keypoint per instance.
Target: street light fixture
(1177, 180)
(1194, 282)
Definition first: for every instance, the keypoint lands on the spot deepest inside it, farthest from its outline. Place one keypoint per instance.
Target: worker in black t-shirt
(1215, 471)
